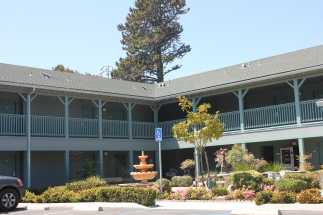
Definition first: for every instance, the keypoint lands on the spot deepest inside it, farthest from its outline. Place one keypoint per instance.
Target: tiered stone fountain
(143, 170)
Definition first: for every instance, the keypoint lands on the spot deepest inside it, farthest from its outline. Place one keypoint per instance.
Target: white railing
(47, 126)
(83, 127)
(12, 124)
(143, 129)
(167, 127)
(230, 120)
(310, 112)
(269, 116)
(115, 128)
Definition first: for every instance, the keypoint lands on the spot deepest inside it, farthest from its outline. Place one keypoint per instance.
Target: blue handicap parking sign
(158, 134)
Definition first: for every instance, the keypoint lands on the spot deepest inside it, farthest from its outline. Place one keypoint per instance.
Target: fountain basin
(143, 166)
(143, 176)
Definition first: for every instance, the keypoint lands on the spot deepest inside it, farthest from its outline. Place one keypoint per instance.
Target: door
(268, 153)
(287, 157)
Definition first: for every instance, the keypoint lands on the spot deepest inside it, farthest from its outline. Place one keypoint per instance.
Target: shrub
(312, 179)
(181, 181)
(248, 194)
(309, 196)
(89, 195)
(165, 184)
(144, 196)
(268, 181)
(238, 194)
(58, 194)
(31, 197)
(242, 167)
(263, 197)
(187, 165)
(249, 179)
(283, 197)
(273, 167)
(219, 191)
(199, 194)
(291, 185)
(260, 165)
(88, 183)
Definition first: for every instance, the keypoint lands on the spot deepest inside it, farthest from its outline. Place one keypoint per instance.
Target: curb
(84, 206)
(255, 212)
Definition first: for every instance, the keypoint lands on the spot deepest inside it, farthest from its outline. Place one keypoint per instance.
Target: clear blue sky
(83, 36)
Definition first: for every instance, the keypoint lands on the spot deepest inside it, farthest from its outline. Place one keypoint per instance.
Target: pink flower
(248, 194)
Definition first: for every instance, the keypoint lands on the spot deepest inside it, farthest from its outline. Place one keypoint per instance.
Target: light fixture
(319, 103)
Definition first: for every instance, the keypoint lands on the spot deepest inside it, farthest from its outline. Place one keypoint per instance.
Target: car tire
(9, 199)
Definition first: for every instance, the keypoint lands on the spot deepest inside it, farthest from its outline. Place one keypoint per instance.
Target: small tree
(187, 165)
(199, 128)
(219, 158)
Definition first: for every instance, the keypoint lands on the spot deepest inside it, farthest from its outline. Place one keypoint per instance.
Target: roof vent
(244, 65)
(162, 84)
(46, 75)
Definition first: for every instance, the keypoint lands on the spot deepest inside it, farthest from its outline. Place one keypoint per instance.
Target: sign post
(159, 139)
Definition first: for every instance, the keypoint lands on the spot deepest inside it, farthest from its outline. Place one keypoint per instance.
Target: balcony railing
(230, 120)
(270, 116)
(310, 112)
(115, 128)
(275, 115)
(143, 129)
(167, 127)
(12, 124)
(47, 126)
(83, 127)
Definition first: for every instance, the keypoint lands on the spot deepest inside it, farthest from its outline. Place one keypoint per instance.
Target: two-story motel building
(51, 123)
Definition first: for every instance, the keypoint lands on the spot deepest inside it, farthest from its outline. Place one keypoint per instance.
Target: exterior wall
(269, 95)
(116, 164)
(170, 112)
(47, 169)
(81, 108)
(83, 164)
(173, 158)
(314, 147)
(75, 144)
(114, 111)
(312, 88)
(223, 102)
(47, 106)
(257, 148)
(10, 103)
(143, 113)
(11, 163)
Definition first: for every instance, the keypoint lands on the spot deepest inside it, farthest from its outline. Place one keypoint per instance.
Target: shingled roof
(278, 67)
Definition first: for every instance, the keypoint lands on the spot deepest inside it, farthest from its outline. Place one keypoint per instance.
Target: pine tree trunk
(160, 69)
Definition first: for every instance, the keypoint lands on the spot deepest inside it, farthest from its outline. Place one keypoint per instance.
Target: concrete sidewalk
(235, 207)
(238, 207)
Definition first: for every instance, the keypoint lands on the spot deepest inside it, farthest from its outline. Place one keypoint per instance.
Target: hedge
(247, 179)
(181, 181)
(144, 196)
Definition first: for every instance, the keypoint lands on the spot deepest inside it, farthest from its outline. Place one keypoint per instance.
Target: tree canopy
(199, 127)
(62, 68)
(151, 37)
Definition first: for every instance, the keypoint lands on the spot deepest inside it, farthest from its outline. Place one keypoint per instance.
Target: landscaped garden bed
(250, 179)
(93, 189)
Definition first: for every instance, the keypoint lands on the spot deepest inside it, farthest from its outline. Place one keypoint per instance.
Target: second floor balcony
(254, 118)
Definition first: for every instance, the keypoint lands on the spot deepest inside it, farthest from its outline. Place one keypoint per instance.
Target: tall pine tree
(151, 37)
